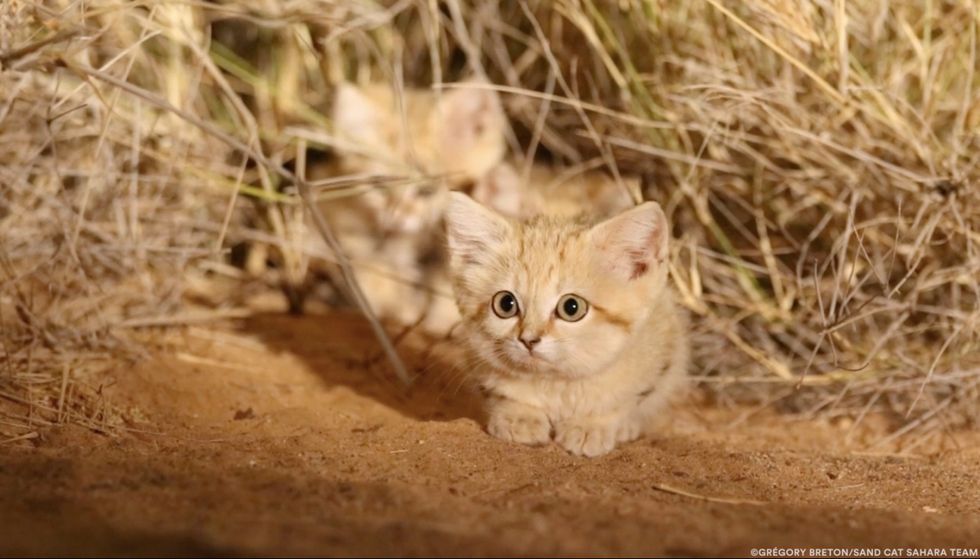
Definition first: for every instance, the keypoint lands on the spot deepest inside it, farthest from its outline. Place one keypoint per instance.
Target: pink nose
(529, 342)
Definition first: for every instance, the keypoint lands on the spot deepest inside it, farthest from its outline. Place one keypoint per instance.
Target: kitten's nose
(529, 340)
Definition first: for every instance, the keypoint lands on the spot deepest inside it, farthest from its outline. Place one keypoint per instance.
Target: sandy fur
(590, 384)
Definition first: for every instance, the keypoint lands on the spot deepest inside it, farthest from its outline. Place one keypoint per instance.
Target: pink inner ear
(634, 242)
(640, 265)
(641, 255)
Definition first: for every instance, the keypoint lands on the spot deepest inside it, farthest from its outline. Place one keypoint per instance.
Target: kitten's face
(459, 133)
(407, 209)
(552, 297)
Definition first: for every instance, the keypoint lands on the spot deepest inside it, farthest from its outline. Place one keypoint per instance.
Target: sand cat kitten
(458, 134)
(393, 234)
(547, 190)
(574, 322)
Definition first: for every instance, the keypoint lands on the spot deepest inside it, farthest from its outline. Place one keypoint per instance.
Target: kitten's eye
(504, 304)
(572, 308)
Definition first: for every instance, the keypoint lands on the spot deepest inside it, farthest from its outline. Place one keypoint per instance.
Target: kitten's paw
(588, 437)
(519, 424)
(628, 431)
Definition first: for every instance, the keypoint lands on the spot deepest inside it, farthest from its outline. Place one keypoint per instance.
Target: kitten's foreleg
(517, 422)
(595, 435)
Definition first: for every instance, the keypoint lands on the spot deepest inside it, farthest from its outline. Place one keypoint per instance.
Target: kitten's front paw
(519, 423)
(588, 437)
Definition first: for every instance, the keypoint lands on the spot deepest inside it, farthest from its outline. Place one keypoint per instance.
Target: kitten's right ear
(634, 242)
(356, 116)
(473, 231)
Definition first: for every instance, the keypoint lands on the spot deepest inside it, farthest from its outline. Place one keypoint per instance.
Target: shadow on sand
(340, 348)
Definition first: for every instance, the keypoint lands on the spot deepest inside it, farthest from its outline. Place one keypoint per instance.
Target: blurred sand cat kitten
(458, 133)
(546, 190)
(574, 323)
(394, 232)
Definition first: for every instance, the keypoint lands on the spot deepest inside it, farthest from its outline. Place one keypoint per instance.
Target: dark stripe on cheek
(612, 318)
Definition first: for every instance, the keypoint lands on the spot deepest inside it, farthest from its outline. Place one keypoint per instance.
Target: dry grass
(819, 160)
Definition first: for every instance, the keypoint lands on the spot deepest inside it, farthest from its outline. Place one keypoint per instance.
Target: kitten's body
(590, 383)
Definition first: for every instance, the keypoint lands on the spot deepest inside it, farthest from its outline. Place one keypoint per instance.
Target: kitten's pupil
(570, 306)
(507, 303)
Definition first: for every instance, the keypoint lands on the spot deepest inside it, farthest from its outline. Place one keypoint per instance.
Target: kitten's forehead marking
(611, 317)
(539, 266)
(560, 250)
(542, 271)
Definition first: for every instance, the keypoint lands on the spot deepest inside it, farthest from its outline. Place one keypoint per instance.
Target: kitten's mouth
(525, 359)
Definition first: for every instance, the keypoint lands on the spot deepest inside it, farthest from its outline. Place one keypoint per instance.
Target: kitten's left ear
(633, 242)
(473, 231)
(468, 114)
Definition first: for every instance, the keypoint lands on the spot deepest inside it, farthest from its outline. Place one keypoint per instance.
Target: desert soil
(280, 436)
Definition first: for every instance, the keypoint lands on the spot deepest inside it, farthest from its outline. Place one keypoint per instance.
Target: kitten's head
(552, 296)
(458, 133)
(407, 209)
(546, 191)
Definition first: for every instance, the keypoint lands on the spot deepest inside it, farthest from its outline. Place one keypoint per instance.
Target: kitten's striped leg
(652, 403)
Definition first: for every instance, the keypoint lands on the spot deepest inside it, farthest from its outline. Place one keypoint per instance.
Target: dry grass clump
(819, 160)
(104, 200)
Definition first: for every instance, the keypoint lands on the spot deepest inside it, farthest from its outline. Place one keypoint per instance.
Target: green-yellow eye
(504, 304)
(571, 308)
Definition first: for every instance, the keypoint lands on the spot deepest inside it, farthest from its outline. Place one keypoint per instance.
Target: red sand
(274, 438)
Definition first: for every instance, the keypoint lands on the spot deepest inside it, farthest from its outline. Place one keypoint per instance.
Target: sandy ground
(276, 437)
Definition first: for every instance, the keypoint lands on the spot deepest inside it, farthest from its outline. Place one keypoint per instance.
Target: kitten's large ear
(473, 231)
(468, 113)
(634, 242)
(500, 189)
(356, 116)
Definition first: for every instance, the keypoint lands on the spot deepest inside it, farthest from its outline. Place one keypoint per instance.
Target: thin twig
(726, 500)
